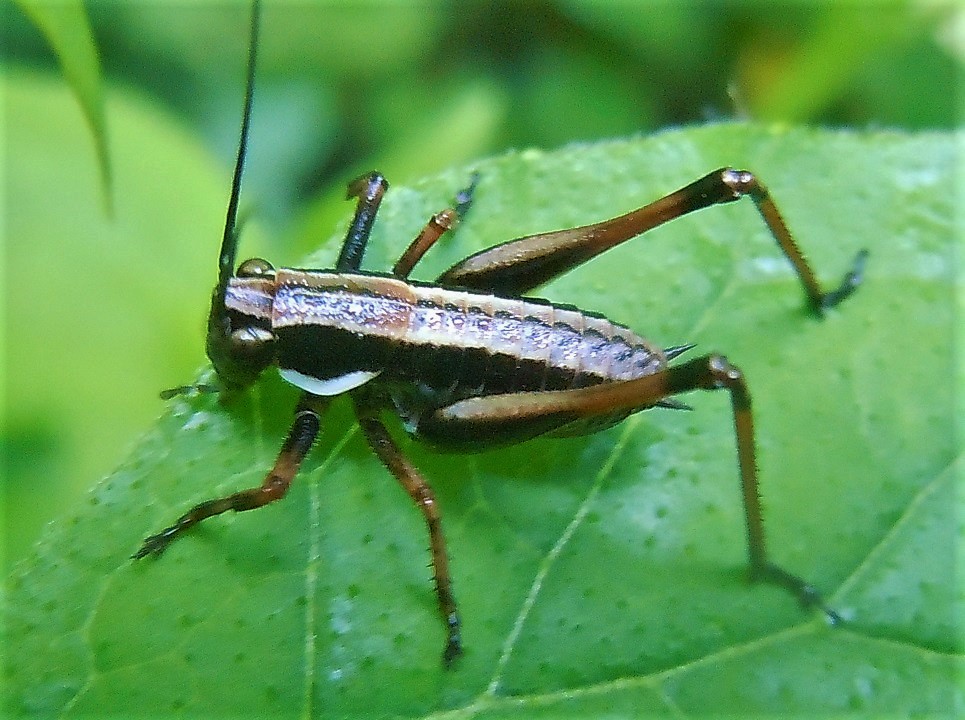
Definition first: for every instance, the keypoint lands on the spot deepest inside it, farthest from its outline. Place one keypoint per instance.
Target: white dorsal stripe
(328, 386)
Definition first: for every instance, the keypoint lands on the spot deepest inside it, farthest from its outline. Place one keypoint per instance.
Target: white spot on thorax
(328, 386)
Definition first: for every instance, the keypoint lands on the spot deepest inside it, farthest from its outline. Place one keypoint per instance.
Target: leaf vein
(550, 559)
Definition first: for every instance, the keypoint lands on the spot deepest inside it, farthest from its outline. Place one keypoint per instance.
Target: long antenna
(229, 243)
(218, 339)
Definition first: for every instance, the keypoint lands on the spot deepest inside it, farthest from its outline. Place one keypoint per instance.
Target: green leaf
(67, 30)
(597, 575)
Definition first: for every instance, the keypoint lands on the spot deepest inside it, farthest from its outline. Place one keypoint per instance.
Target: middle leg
(438, 225)
(418, 489)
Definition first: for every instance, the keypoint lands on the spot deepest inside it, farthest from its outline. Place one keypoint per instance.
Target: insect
(470, 361)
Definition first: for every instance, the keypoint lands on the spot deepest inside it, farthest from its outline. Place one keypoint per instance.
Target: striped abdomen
(446, 344)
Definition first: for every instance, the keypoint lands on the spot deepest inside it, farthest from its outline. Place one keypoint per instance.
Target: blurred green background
(104, 307)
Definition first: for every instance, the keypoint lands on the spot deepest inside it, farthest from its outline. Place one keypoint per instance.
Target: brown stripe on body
(251, 296)
(373, 305)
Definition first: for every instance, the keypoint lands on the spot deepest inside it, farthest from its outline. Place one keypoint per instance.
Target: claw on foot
(155, 544)
(454, 643)
(848, 285)
(806, 594)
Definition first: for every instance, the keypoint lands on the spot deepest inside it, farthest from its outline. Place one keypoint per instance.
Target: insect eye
(256, 268)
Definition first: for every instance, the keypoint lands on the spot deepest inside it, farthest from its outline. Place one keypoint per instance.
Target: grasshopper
(470, 361)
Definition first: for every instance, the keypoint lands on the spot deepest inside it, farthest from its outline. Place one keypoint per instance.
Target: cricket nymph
(470, 360)
(424, 346)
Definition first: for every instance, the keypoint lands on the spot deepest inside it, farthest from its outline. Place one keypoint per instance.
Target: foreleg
(369, 190)
(300, 438)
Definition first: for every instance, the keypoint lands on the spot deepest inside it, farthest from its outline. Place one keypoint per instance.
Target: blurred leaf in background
(102, 312)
